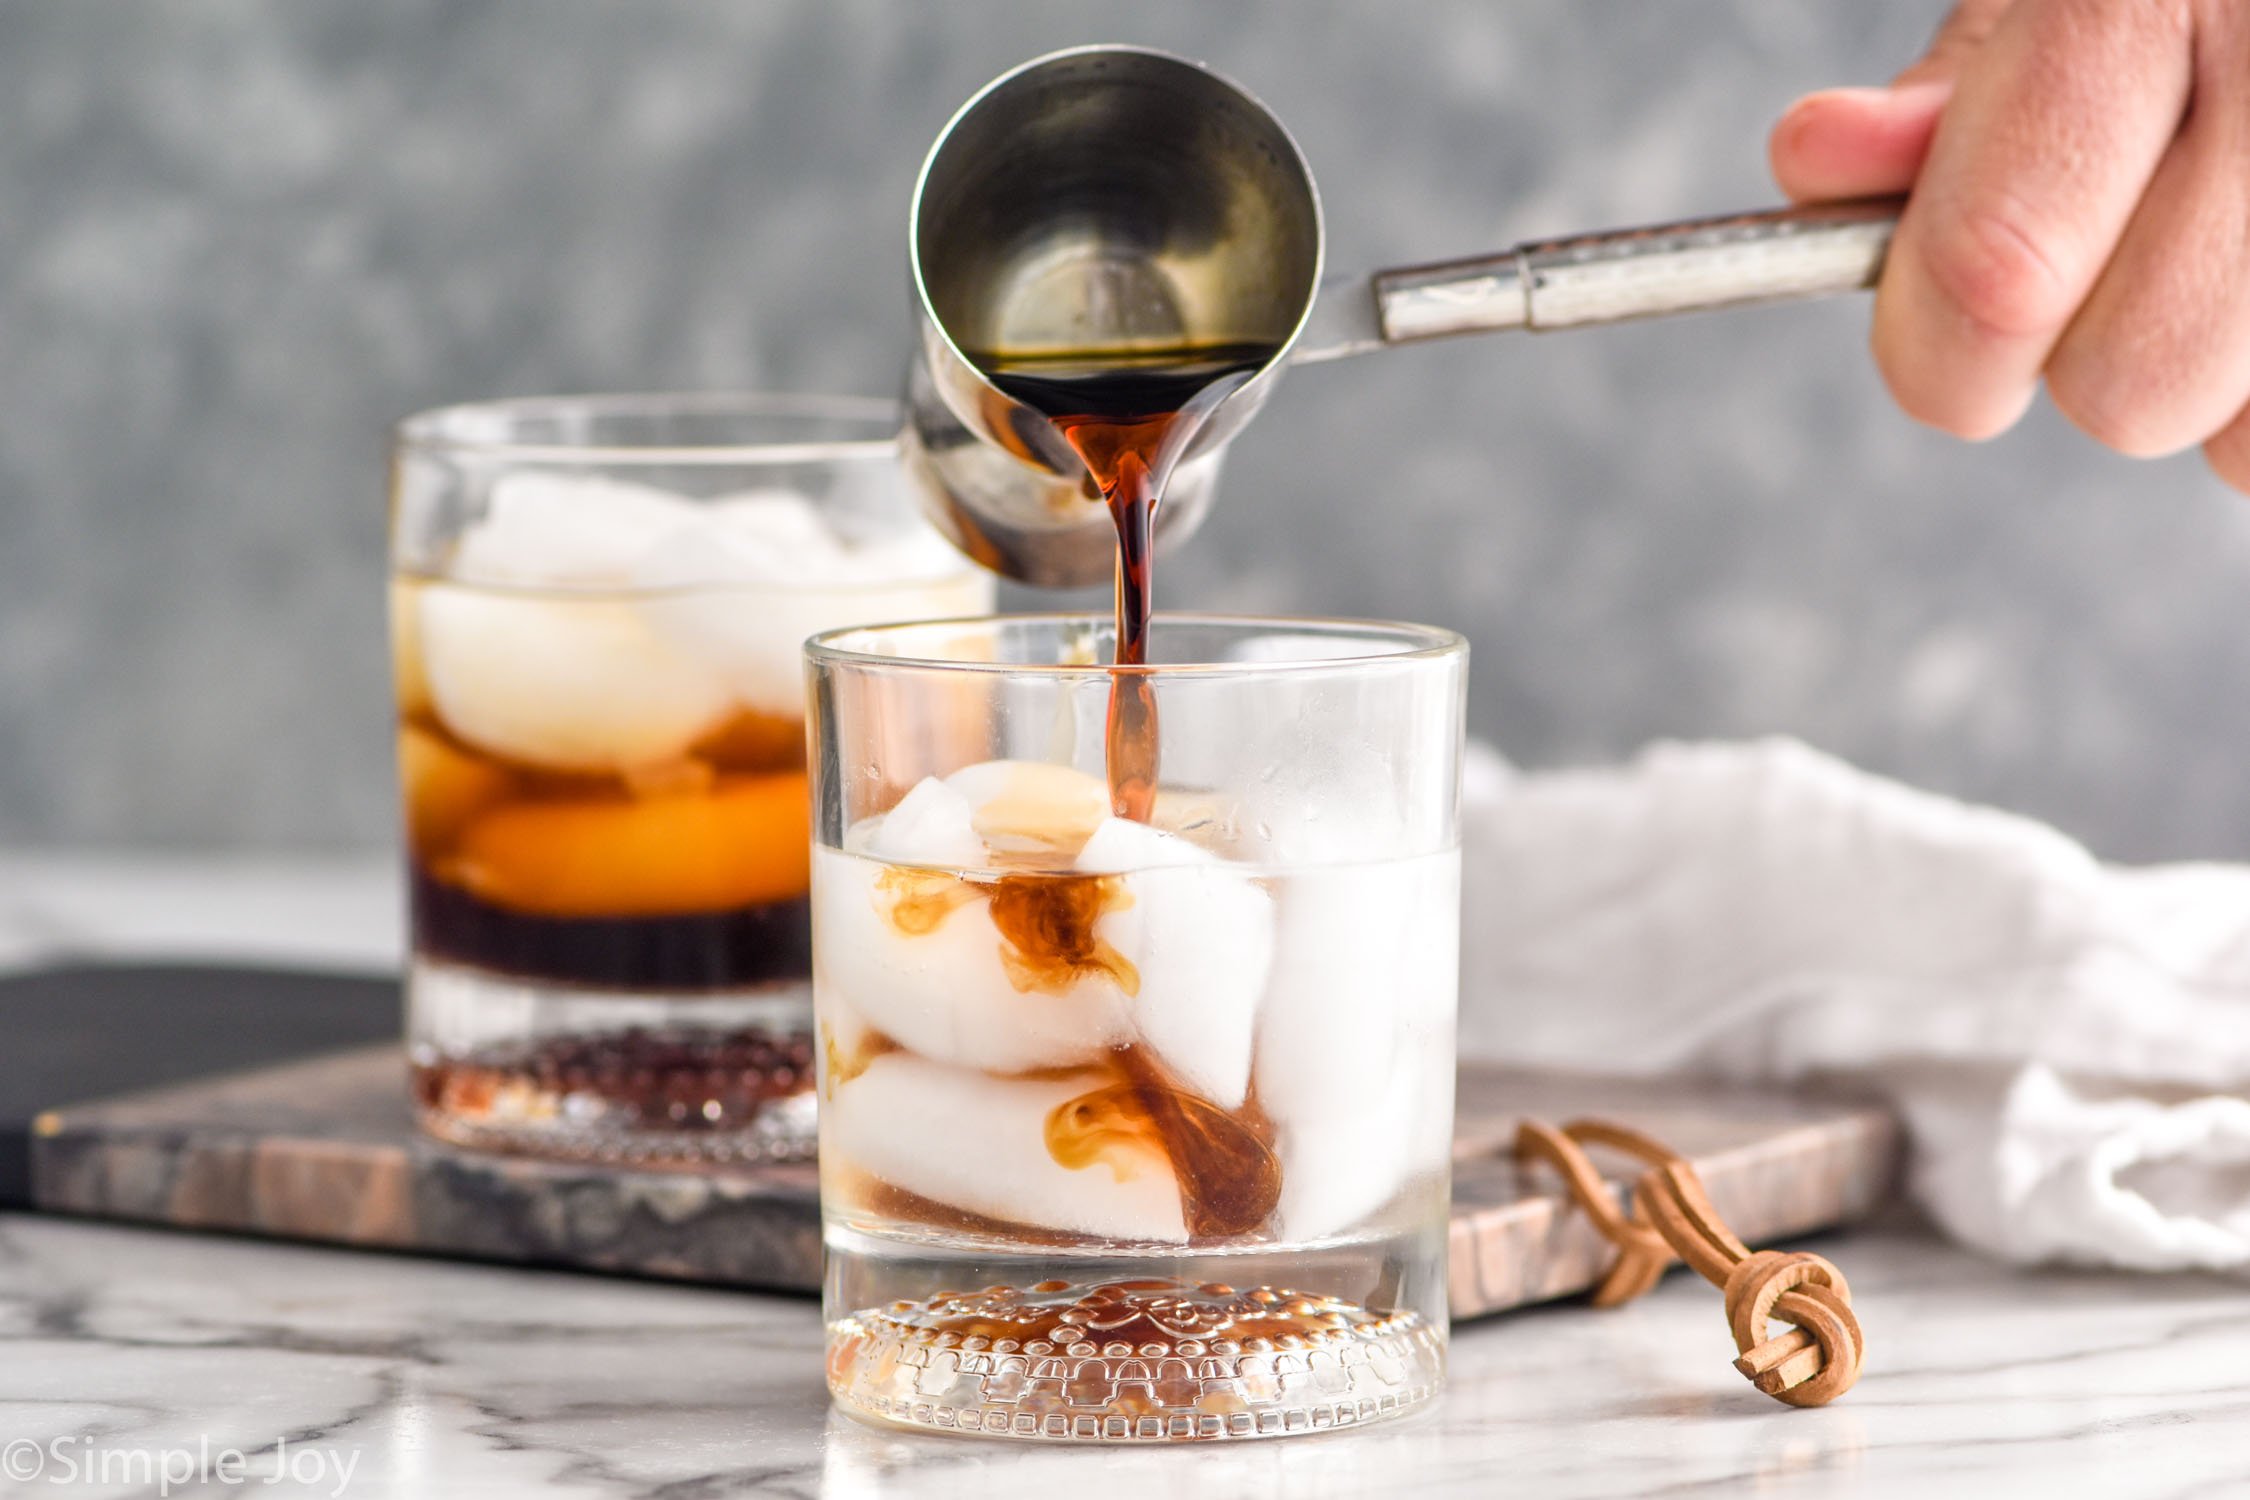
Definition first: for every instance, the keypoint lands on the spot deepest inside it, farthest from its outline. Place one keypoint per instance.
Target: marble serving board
(323, 1149)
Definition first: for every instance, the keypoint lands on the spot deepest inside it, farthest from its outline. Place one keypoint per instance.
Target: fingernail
(1869, 95)
(1893, 98)
(1921, 93)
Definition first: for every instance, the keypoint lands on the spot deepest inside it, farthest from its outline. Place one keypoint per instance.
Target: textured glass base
(781, 1131)
(1153, 1360)
(501, 1065)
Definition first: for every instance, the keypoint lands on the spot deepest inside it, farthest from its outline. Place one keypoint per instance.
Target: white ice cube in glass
(979, 1144)
(1200, 932)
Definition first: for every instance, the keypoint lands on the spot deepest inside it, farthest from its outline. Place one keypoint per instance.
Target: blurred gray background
(237, 239)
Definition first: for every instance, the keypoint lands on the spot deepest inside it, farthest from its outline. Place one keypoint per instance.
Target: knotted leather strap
(1813, 1363)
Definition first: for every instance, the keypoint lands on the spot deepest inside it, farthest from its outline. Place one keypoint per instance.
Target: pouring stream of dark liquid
(1129, 416)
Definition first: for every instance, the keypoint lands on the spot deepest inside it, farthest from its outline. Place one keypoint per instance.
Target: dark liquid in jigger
(1130, 415)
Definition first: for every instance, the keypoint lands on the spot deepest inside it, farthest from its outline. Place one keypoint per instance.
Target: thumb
(1862, 142)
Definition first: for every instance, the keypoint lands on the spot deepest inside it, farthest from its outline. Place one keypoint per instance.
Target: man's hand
(2081, 210)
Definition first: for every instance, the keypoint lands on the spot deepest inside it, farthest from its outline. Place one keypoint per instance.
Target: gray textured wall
(236, 239)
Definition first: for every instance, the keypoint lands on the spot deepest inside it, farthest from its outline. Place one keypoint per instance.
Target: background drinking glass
(598, 608)
(1177, 1096)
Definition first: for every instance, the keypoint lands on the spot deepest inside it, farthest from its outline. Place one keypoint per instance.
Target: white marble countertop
(432, 1380)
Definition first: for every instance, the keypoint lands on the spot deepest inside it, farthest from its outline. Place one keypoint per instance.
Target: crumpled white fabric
(2068, 1041)
(337, 913)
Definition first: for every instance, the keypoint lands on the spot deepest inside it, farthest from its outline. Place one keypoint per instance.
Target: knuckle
(1992, 263)
(1963, 31)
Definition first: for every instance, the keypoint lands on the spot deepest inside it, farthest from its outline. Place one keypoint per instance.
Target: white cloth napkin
(2069, 1042)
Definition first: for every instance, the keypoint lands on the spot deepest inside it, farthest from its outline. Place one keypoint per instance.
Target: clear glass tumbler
(1135, 1131)
(598, 610)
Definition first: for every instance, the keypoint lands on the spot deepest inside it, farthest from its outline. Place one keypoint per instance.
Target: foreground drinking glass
(1135, 1131)
(598, 608)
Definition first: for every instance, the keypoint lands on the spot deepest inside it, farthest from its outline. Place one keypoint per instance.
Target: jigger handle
(1807, 251)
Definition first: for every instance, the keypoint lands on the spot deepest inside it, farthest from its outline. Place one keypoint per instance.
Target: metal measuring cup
(1113, 199)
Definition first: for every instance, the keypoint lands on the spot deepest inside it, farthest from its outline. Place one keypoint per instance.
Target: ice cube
(979, 1144)
(1200, 931)
(551, 681)
(754, 644)
(1354, 1038)
(1335, 1172)
(560, 683)
(1341, 1165)
(545, 529)
(911, 553)
(772, 537)
(1426, 1075)
(773, 541)
(781, 524)
(778, 536)
(1031, 807)
(847, 1042)
(916, 952)
(744, 590)
(932, 825)
(922, 958)
(1363, 955)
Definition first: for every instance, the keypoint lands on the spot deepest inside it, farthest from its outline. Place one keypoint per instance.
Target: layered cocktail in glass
(1135, 1128)
(598, 608)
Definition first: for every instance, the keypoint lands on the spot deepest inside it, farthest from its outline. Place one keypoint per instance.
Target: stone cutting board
(323, 1149)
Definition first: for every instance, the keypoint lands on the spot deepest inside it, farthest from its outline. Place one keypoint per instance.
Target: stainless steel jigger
(1114, 199)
